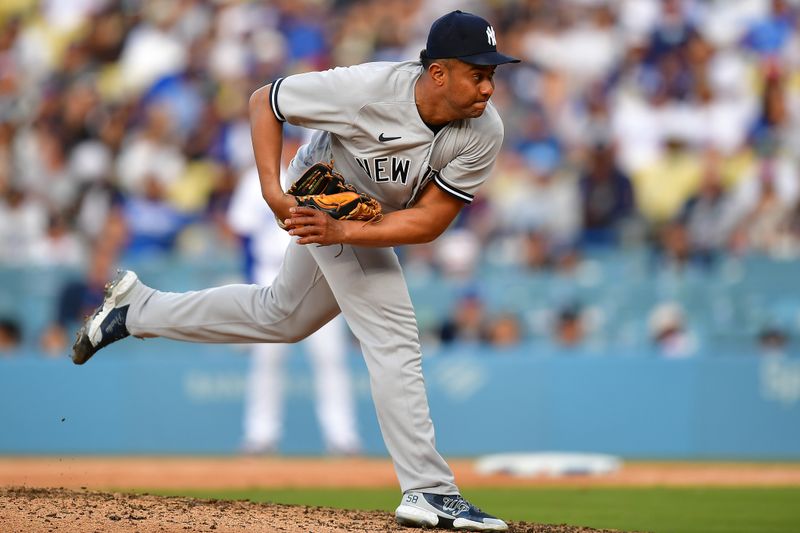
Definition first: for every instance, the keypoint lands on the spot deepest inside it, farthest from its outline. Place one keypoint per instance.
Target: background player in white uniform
(418, 136)
(265, 245)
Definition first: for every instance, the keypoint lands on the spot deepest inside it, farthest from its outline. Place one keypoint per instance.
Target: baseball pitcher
(401, 148)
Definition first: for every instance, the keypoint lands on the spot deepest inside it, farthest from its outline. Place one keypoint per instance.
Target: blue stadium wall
(162, 397)
(175, 398)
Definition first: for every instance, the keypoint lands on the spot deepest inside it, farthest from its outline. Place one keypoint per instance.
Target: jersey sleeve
(328, 100)
(463, 176)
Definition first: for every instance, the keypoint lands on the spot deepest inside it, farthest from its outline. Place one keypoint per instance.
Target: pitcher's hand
(315, 227)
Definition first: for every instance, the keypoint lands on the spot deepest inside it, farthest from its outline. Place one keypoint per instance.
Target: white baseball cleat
(423, 509)
(107, 323)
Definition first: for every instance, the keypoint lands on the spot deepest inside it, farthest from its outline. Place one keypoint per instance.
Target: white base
(554, 464)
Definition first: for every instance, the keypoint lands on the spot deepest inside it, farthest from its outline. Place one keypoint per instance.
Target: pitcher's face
(468, 87)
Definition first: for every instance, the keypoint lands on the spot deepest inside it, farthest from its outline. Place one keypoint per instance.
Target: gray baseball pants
(313, 285)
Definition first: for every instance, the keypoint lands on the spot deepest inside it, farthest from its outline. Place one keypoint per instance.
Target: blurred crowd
(669, 124)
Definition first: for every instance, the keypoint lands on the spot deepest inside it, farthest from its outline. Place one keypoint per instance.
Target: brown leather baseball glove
(323, 188)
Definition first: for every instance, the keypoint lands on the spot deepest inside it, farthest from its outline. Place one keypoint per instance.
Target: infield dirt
(29, 503)
(31, 510)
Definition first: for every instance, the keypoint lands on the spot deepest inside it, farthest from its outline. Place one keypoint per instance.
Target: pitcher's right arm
(267, 135)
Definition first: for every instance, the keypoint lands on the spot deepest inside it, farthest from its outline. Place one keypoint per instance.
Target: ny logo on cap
(490, 36)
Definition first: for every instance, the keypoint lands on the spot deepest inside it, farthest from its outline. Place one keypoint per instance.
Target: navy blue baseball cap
(467, 37)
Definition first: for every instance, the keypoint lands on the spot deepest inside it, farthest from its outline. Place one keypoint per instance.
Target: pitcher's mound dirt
(37, 510)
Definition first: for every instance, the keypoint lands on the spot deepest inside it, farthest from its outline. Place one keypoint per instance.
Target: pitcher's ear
(438, 72)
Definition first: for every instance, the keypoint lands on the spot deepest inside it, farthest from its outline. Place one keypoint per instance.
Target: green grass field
(667, 510)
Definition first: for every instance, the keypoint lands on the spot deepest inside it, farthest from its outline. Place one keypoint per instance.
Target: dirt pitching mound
(40, 510)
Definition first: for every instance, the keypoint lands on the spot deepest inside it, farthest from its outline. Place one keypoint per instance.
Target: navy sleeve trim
(452, 190)
(273, 99)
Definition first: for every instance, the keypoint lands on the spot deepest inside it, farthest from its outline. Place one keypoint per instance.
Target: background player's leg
(263, 402)
(335, 406)
(369, 286)
(298, 303)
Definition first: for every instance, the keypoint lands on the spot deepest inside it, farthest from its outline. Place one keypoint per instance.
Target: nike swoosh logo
(383, 138)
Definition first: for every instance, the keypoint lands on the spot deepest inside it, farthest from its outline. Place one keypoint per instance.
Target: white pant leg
(370, 289)
(263, 403)
(335, 406)
(297, 304)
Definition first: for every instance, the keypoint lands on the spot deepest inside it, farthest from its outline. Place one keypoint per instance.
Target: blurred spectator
(153, 223)
(153, 48)
(503, 331)
(302, 23)
(764, 198)
(537, 252)
(44, 170)
(672, 31)
(669, 332)
(569, 330)
(99, 213)
(773, 124)
(767, 36)
(60, 246)
(568, 261)
(10, 336)
(538, 144)
(586, 122)
(707, 216)
(663, 187)
(636, 124)
(180, 95)
(23, 224)
(675, 252)
(607, 197)
(773, 341)
(548, 201)
(151, 153)
(671, 80)
(467, 322)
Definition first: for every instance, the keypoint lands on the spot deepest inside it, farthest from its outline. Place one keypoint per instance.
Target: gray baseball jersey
(369, 126)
